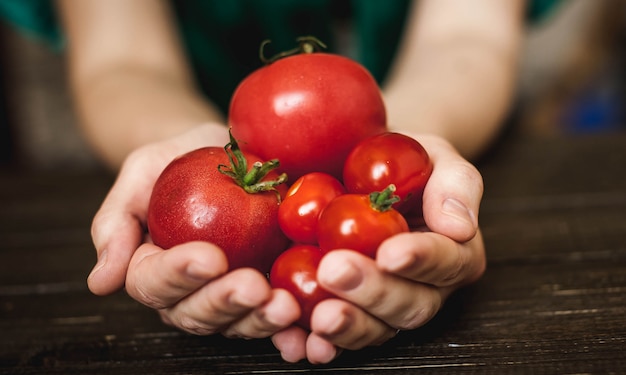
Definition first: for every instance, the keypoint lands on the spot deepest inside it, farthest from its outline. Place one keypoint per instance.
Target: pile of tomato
(310, 168)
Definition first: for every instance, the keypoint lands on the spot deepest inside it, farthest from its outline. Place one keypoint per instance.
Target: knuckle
(479, 271)
(471, 264)
(98, 228)
(420, 315)
(457, 268)
(193, 326)
(165, 317)
(468, 173)
(139, 293)
(377, 300)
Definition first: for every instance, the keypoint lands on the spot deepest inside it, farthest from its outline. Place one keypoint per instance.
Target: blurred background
(572, 81)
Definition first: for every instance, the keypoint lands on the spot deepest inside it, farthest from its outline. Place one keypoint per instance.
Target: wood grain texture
(553, 299)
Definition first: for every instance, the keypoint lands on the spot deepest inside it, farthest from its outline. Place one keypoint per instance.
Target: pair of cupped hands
(190, 286)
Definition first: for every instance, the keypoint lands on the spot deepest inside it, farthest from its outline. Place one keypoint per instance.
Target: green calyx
(306, 44)
(383, 200)
(251, 181)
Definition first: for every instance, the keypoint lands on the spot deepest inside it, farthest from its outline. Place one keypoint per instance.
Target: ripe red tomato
(295, 270)
(359, 222)
(307, 110)
(389, 158)
(305, 200)
(193, 201)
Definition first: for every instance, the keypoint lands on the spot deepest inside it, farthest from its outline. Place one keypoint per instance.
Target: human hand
(189, 284)
(412, 275)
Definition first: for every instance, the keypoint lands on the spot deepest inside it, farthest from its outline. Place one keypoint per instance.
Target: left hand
(413, 273)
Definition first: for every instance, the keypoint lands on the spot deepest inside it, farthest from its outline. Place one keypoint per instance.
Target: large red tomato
(389, 158)
(295, 270)
(359, 222)
(193, 200)
(305, 200)
(307, 110)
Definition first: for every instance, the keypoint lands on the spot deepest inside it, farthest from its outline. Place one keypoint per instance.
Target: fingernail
(342, 276)
(102, 259)
(454, 207)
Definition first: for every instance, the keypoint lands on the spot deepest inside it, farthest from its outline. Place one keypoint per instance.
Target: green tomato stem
(306, 44)
(383, 200)
(251, 181)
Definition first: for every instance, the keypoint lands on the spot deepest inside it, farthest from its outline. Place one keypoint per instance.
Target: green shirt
(222, 37)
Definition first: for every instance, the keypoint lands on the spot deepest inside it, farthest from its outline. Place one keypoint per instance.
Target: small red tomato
(198, 197)
(308, 110)
(359, 222)
(305, 200)
(295, 270)
(389, 158)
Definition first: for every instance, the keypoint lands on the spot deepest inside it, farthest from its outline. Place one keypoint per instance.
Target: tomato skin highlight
(350, 222)
(389, 158)
(192, 201)
(306, 198)
(295, 270)
(307, 110)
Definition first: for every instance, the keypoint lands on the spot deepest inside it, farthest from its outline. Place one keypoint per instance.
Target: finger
(453, 193)
(160, 278)
(432, 258)
(398, 301)
(319, 350)
(218, 304)
(278, 313)
(116, 236)
(291, 342)
(347, 326)
(118, 227)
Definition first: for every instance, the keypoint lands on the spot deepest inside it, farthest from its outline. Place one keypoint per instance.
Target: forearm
(130, 78)
(456, 83)
(460, 95)
(123, 108)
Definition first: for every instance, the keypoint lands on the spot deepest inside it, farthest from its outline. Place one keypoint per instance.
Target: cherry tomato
(193, 200)
(307, 110)
(305, 200)
(389, 158)
(295, 270)
(359, 222)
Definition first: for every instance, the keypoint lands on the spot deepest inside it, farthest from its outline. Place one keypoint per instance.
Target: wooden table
(553, 299)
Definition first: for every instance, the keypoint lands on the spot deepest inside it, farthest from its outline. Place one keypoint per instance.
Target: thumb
(453, 193)
(117, 229)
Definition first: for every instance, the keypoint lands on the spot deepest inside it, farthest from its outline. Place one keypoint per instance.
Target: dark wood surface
(553, 299)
